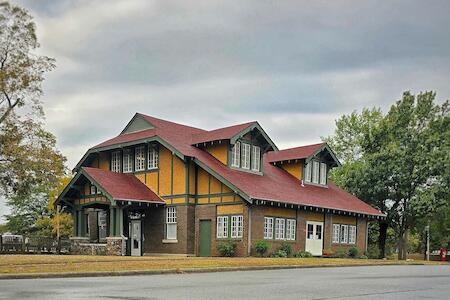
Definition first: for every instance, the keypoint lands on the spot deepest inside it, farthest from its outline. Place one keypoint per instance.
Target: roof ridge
(168, 122)
(309, 145)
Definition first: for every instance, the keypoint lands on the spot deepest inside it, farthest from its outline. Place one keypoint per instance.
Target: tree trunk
(402, 245)
(382, 239)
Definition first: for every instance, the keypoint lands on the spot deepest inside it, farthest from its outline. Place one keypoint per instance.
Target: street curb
(184, 270)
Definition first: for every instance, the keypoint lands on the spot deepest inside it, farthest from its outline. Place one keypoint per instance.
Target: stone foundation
(81, 246)
(116, 246)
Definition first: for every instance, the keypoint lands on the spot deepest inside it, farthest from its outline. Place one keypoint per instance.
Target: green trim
(136, 115)
(285, 228)
(171, 174)
(250, 128)
(197, 196)
(324, 147)
(209, 188)
(223, 180)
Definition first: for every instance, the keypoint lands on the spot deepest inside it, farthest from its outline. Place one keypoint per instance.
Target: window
(245, 163)
(171, 223)
(115, 161)
(236, 155)
(152, 158)
(222, 227)
(315, 172)
(256, 158)
(308, 173)
(279, 228)
(236, 226)
(139, 158)
(93, 190)
(323, 173)
(127, 161)
(344, 234)
(336, 230)
(290, 229)
(318, 232)
(310, 232)
(351, 234)
(268, 228)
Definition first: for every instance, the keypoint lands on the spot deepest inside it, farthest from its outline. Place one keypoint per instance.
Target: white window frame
(127, 161)
(336, 233)
(93, 189)
(352, 234)
(256, 158)
(236, 155)
(290, 229)
(171, 223)
(139, 158)
(222, 227)
(308, 172)
(116, 161)
(268, 228)
(237, 226)
(245, 156)
(344, 234)
(315, 171)
(323, 173)
(280, 228)
(152, 158)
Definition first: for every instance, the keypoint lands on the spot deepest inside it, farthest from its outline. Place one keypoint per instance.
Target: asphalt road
(387, 282)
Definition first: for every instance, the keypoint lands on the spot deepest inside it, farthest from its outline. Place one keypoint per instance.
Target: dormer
(240, 147)
(309, 164)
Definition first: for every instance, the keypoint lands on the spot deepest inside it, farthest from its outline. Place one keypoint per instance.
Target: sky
(294, 66)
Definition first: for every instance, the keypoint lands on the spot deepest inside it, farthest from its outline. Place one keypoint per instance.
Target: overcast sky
(294, 66)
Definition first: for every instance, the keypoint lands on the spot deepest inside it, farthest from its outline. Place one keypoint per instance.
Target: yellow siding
(178, 200)
(228, 198)
(318, 217)
(344, 220)
(104, 161)
(179, 176)
(152, 181)
(219, 151)
(215, 185)
(203, 179)
(168, 201)
(295, 169)
(202, 200)
(165, 171)
(226, 189)
(141, 177)
(191, 179)
(214, 200)
(280, 212)
(191, 200)
(230, 209)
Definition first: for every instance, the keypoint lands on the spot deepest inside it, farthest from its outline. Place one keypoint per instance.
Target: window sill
(165, 241)
(247, 170)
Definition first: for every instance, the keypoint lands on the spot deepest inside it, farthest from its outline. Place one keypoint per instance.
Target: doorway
(205, 238)
(136, 237)
(314, 238)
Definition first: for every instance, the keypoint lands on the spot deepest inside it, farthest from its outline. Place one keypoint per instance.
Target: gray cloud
(294, 66)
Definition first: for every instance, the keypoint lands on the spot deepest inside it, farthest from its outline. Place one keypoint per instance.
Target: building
(164, 188)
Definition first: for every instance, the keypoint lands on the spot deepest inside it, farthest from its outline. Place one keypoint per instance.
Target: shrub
(373, 252)
(363, 257)
(279, 253)
(340, 253)
(226, 248)
(328, 252)
(286, 247)
(353, 252)
(302, 254)
(261, 247)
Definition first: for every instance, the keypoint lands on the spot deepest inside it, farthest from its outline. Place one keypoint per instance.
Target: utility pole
(58, 250)
(427, 229)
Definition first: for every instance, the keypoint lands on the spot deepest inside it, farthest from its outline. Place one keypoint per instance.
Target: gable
(137, 123)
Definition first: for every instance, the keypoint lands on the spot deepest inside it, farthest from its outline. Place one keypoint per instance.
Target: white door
(136, 238)
(314, 238)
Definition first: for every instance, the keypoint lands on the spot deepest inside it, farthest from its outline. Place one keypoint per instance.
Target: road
(386, 282)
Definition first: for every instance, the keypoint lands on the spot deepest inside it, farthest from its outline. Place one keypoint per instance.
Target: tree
(403, 161)
(21, 70)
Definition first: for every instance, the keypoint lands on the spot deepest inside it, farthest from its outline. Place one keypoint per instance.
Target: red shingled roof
(293, 153)
(120, 186)
(220, 134)
(274, 185)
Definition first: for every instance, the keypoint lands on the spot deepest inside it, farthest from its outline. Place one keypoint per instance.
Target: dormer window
(115, 161)
(245, 162)
(256, 158)
(127, 161)
(316, 172)
(246, 156)
(236, 155)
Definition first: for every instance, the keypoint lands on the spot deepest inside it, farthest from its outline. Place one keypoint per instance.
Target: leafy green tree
(21, 69)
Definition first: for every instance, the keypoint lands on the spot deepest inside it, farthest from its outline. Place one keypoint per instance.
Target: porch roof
(122, 187)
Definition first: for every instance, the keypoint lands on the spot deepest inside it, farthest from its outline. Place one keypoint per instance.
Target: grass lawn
(28, 264)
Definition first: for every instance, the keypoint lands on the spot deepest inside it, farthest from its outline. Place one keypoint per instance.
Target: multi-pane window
(222, 227)
(236, 155)
(256, 158)
(336, 231)
(310, 233)
(323, 173)
(127, 161)
(115, 161)
(351, 234)
(279, 228)
(344, 234)
(290, 229)
(236, 226)
(245, 157)
(316, 172)
(93, 190)
(139, 158)
(171, 223)
(152, 158)
(268, 228)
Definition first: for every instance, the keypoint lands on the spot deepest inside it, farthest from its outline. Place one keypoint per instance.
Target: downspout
(249, 236)
(367, 234)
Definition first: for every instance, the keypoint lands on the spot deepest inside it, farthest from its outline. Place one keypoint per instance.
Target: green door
(205, 237)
